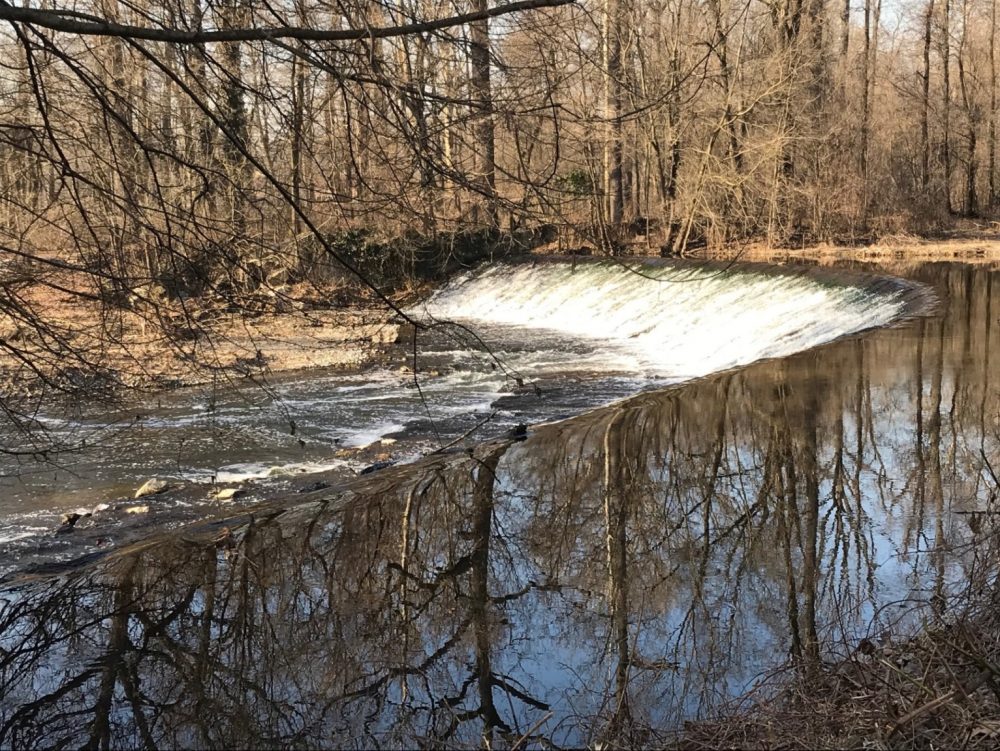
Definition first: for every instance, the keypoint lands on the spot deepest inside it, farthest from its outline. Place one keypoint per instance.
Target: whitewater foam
(670, 322)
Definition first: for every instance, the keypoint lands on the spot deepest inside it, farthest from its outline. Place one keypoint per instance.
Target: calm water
(603, 580)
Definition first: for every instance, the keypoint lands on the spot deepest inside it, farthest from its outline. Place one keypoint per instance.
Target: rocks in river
(314, 487)
(229, 494)
(519, 387)
(376, 467)
(152, 487)
(519, 432)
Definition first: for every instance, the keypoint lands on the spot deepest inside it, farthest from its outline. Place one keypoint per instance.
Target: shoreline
(899, 252)
(162, 345)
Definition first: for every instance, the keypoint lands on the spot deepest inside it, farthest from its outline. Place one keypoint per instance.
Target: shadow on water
(601, 581)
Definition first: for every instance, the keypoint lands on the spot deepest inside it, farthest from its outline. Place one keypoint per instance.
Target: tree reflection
(601, 581)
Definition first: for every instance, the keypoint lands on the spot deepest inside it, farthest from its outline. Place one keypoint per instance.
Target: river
(615, 573)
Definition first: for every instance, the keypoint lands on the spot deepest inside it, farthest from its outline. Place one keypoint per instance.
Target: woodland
(180, 144)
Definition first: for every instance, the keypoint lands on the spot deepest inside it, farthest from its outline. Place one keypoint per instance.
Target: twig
(921, 710)
(467, 433)
(989, 468)
(545, 718)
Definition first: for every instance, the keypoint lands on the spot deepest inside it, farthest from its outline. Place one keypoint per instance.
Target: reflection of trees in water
(601, 580)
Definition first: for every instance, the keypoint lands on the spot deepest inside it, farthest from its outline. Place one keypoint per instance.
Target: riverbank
(938, 689)
(894, 254)
(63, 336)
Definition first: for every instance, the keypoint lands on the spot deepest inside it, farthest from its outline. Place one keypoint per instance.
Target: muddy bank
(277, 343)
(63, 337)
(227, 346)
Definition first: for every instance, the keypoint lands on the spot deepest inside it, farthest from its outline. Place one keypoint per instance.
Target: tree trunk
(925, 142)
(946, 99)
(613, 187)
(232, 106)
(865, 110)
(971, 118)
(482, 95)
(993, 105)
(845, 29)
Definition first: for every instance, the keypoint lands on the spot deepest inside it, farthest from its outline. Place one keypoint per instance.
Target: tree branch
(85, 24)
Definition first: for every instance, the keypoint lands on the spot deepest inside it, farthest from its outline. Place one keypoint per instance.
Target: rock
(314, 486)
(376, 467)
(152, 487)
(387, 441)
(137, 509)
(229, 494)
(519, 432)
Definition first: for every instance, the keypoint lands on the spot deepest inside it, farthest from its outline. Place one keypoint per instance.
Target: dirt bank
(57, 333)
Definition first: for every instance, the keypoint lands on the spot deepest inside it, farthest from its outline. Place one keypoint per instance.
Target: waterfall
(676, 321)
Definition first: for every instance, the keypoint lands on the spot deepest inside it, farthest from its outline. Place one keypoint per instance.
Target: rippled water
(583, 334)
(601, 581)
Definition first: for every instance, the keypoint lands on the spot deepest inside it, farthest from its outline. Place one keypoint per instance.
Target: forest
(178, 143)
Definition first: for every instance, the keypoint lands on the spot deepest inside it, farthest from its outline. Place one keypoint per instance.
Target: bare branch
(85, 24)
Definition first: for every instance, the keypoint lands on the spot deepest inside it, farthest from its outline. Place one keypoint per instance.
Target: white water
(682, 323)
(589, 335)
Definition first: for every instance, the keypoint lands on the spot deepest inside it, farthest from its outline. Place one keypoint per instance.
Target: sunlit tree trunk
(482, 94)
(613, 100)
(925, 141)
(971, 117)
(993, 107)
(946, 99)
(866, 87)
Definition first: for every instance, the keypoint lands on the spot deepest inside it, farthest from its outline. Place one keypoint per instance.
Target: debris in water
(152, 487)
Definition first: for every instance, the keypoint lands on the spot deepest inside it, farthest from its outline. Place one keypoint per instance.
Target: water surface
(603, 580)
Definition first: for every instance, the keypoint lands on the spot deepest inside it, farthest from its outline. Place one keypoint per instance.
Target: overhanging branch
(75, 22)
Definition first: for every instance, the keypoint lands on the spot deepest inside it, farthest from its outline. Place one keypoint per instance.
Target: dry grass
(939, 689)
